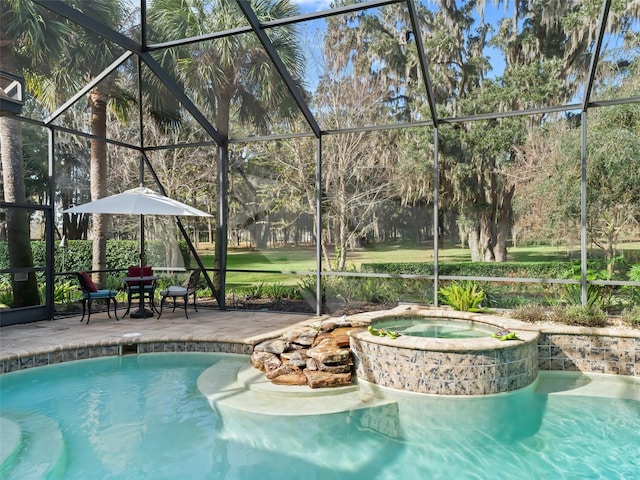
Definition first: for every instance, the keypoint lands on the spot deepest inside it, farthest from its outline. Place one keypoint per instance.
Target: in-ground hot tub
(434, 327)
(475, 365)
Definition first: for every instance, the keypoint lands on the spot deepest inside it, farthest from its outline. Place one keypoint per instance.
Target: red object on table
(141, 282)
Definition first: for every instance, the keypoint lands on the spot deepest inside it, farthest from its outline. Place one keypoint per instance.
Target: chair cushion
(101, 294)
(174, 290)
(90, 286)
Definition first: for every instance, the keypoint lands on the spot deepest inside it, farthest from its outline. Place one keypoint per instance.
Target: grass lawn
(299, 259)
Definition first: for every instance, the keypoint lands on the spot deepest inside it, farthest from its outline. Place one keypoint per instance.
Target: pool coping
(606, 350)
(50, 342)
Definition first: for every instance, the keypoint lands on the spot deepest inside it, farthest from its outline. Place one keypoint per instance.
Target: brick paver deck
(206, 325)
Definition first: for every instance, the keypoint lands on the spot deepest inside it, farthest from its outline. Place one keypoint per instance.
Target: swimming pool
(142, 416)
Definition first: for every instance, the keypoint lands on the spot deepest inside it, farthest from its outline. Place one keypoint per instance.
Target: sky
(307, 6)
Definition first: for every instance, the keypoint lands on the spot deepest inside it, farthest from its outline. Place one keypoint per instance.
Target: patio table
(142, 311)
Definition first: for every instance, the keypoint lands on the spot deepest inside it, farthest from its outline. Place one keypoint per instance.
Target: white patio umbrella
(138, 201)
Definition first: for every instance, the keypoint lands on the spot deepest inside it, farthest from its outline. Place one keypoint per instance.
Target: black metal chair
(90, 293)
(188, 288)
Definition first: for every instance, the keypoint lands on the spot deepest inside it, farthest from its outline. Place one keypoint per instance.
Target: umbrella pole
(142, 262)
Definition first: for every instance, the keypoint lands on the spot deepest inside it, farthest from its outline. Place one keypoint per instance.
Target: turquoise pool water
(421, 326)
(142, 417)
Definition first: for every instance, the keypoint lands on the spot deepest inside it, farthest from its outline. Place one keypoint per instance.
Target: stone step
(32, 447)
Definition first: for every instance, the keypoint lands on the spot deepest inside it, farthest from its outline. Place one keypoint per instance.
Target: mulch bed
(301, 306)
(257, 304)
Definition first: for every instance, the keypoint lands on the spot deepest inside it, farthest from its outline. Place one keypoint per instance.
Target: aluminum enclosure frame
(142, 51)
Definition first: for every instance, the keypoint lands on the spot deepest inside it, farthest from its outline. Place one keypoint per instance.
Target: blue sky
(307, 6)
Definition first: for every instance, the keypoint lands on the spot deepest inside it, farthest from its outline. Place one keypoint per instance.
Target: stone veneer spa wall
(470, 366)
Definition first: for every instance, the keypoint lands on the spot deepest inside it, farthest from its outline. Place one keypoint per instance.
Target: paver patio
(233, 326)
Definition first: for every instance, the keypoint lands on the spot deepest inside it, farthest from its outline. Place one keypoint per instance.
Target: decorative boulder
(277, 346)
(318, 356)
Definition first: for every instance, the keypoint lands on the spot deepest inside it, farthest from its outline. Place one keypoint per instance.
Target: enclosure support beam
(436, 225)
(222, 227)
(583, 209)
(319, 226)
(50, 227)
(183, 231)
(602, 24)
(294, 90)
(415, 25)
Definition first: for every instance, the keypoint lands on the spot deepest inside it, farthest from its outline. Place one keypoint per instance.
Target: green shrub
(465, 296)
(256, 290)
(64, 292)
(306, 289)
(6, 294)
(120, 254)
(572, 295)
(277, 291)
(633, 293)
(631, 316)
(634, 273)
(579, 315)
(272, 291)
(531, 313)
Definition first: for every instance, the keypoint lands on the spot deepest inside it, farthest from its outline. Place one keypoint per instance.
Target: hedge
(120, 254)
(477, 269)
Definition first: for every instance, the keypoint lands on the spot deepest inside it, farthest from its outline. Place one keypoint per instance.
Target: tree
(294, 164)
(23, 42)
(86, 55)
(476, 156)
(357, 167)
(232, 72)
(613, 173)
(377, 44)
(543, 46)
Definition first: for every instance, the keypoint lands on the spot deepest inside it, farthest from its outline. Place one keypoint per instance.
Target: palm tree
(232, 72)
(86, 56)
(23, 42)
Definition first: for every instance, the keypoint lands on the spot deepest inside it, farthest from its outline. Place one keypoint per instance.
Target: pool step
(251, 410)
(10, 443)
(32, 447)
(235, 384)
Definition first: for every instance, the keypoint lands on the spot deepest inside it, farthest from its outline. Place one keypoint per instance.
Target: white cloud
(307, 6)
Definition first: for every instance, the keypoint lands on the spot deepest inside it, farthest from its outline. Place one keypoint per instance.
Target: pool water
(141, 417)
(421, 326)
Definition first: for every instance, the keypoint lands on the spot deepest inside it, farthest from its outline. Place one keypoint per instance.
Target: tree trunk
(98, 178)
(262, 235)
(486, 240)
(474, 245)
(25, 293)
(343, 220)
(502, 234)
(503, 224)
